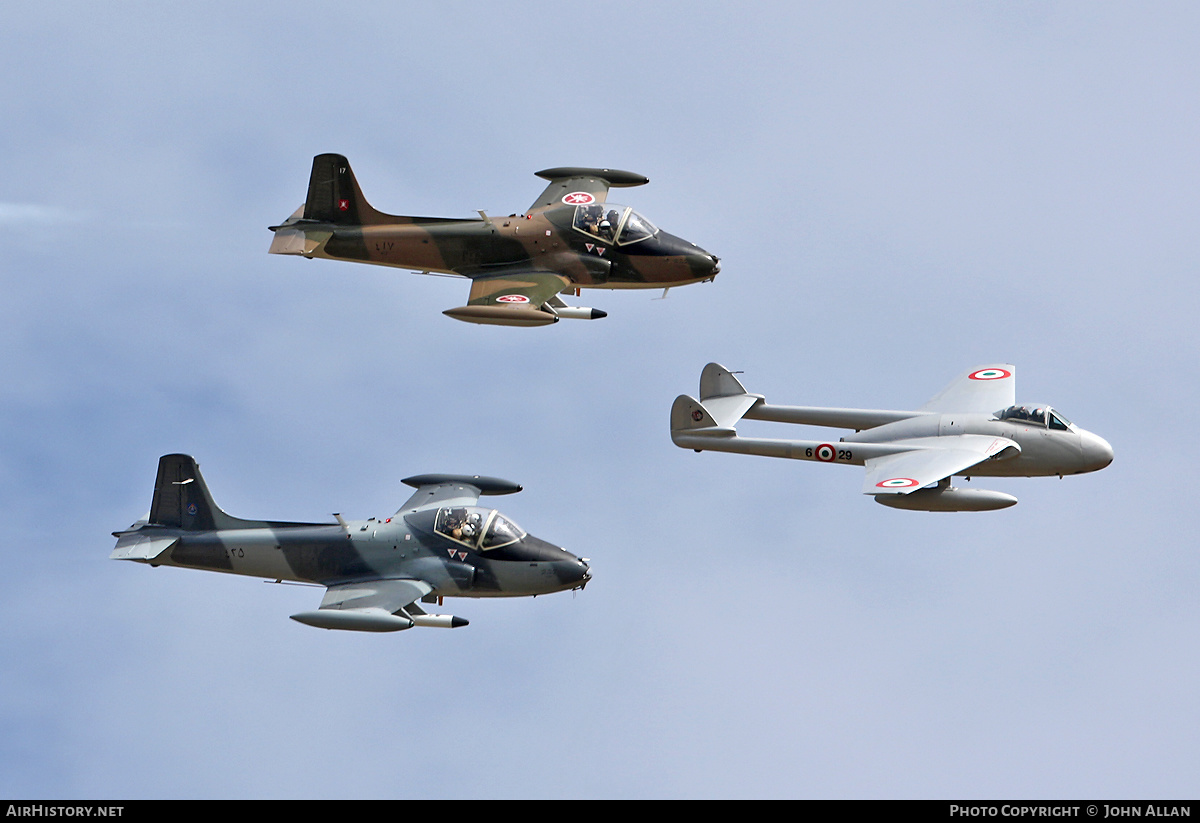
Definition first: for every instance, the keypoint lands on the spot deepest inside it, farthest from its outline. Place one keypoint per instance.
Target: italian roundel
(990, 374)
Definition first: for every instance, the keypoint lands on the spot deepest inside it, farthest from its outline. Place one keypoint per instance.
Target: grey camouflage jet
(972, 428)
(439, 544)
(569, 239)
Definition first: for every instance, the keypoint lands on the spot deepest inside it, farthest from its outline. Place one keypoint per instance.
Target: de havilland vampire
(972, 428)
(439, 544)
(569, 239)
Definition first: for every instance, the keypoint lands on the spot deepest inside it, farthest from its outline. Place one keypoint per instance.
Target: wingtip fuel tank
(949, 500)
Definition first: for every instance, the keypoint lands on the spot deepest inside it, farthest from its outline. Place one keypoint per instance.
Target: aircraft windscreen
(636, 228)
(610, 222)
(500, 532)
(1036, 415)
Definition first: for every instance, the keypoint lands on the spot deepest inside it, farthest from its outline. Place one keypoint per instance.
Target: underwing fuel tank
(355, 620)
(501, 316)
(521, 316)
(948, 500)
(375, 620)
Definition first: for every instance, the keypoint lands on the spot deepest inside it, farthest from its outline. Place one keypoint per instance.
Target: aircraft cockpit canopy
(1036, 416)
(606, 221)
(482, 529)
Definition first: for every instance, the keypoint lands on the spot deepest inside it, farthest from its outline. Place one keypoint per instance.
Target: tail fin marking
(182, 500)
(334, 195)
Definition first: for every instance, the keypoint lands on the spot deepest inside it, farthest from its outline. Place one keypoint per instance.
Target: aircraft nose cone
(703, 264)
(1097, 453)
(584, 571)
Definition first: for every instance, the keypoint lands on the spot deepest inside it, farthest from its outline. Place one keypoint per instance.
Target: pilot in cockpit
(460, 524)
(590, 217)
(469, 529)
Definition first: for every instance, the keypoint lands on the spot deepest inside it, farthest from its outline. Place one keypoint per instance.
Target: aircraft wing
(577, 186)
(374, 606)
(982, 389)
(390, 595)
(516, 290)
(514, 297)
(452, 489)
(930, 460)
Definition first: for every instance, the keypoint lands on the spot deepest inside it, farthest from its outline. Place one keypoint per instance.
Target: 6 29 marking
(827, 453)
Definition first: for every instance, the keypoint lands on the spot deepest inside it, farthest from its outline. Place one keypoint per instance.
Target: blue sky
(897, 191)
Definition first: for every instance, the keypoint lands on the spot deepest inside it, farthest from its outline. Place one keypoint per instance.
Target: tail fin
(688, 413)
(718, 381)
(723, 395)
(182, 499)
(334, 195)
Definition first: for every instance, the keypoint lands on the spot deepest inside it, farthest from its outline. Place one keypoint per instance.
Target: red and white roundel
(897, 483)
(578, 198)
(825, 453)
(990, 374)
(512, 298)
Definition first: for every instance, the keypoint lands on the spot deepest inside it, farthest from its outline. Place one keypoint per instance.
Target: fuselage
(552, 239)
(1044, 451)
(401, 547)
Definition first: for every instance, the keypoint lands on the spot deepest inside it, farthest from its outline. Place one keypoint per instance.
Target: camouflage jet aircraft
(570, 239)
(906, 452)
(439, 544)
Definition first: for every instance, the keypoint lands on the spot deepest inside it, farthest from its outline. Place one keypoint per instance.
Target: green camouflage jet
(439, 544)
(569, 239)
